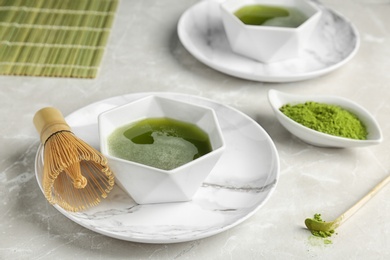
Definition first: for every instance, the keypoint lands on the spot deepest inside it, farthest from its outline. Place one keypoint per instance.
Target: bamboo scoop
(75, 175)
(315, 225)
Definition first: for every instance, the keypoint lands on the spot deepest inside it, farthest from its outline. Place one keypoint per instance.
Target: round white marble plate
(334, 42)
(241, 182)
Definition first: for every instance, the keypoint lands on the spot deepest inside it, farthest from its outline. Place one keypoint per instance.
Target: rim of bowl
(172, 171)
(271, 28)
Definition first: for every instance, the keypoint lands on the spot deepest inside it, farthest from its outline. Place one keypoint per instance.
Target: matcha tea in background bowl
(160, 149)
(325, 121)
(269, 30)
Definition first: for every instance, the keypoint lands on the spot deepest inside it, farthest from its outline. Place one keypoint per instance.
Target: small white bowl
(277, 99)
(146, 184)
(268, 43)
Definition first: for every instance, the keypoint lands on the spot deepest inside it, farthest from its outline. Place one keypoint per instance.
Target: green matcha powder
(325, 118)
(319, 233)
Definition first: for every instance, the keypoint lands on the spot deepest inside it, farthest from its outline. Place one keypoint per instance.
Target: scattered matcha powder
(325, 118)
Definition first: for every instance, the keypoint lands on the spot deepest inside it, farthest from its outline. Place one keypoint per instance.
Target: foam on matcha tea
(162, 143)
(267, 15)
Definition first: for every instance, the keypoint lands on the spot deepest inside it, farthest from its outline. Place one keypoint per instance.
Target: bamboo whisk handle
(48, 121)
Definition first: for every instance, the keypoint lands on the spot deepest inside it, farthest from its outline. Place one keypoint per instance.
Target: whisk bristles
(76, 176)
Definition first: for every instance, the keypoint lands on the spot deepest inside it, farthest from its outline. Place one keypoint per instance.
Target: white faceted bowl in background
(146, 184)
(278, 99)
(268, 43)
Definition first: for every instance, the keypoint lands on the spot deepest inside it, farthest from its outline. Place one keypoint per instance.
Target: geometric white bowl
(146, 184)
(277, 99)
(268, 43)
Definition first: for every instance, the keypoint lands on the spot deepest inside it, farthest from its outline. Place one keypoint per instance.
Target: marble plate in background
(242, 181)
(334, 42)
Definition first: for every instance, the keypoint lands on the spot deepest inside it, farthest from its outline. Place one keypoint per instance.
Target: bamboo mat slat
(54, 38)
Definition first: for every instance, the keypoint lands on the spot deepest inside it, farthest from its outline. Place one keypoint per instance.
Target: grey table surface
(145, 54)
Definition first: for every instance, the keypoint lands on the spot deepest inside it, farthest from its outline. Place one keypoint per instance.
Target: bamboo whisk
(75, 175)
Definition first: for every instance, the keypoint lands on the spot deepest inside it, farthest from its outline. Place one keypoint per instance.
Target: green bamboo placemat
(55, 38)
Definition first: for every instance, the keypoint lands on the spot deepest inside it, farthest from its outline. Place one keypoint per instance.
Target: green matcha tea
(271, 16)
(162, 143)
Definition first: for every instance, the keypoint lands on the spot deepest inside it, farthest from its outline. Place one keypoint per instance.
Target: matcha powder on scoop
(319, 233)
(322, 234)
